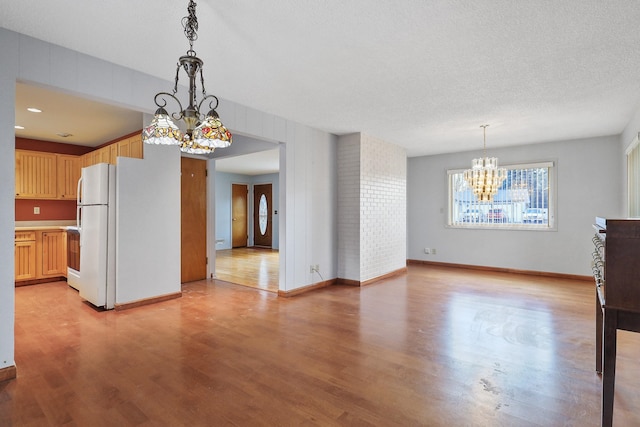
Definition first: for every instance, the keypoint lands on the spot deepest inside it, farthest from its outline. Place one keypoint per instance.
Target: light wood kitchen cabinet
(25, 255)
(131, 147)
(128, 147)
(53, 260)
(69, 170)
(91, 158)
(85, 160)
(95, 157)
(40, 254)
(36, 175)
(113, 153)
(105, 155)
(42, 175)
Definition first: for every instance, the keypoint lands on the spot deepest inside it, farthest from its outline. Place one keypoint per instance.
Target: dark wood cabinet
(616, 270)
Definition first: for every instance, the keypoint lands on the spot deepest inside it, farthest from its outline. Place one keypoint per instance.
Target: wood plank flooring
(254, 267)
(436, 347)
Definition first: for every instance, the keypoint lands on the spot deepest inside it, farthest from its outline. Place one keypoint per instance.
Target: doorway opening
(247, 225)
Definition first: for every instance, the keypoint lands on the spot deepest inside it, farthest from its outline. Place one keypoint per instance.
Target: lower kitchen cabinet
(53, 254)
(39, 254)
(25, 255)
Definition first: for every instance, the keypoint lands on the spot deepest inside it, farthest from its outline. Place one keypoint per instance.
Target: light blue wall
(223, 182)
(588, 185)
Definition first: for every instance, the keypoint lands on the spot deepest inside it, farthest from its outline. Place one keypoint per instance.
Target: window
(524, 201)
(263, 214)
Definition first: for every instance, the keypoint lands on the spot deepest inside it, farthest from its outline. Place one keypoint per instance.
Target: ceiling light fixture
(485, 177)
(34, 110)
(18, 127)
(201, 136)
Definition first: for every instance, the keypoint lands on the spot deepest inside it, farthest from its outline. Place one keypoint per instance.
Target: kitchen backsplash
(50, 210)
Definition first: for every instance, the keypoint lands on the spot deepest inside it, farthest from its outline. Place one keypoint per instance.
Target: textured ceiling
(417, 73)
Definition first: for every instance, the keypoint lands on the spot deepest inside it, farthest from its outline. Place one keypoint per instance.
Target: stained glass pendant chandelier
(485, 177)
(204, 133)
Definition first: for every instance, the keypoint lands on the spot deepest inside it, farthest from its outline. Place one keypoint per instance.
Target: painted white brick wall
(371, 207)
(383, 208)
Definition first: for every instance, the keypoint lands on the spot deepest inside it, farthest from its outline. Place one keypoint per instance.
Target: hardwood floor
(436, 347)
(253, 267)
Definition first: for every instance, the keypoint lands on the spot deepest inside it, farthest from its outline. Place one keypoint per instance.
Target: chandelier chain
(204, 92)
(484, 137)
(175, 85)
(190, 25)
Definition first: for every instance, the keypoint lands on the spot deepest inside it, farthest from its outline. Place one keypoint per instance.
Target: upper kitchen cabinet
(36, 175)
(126, 147)
(131, 147)
(69, 170)
(41, 175)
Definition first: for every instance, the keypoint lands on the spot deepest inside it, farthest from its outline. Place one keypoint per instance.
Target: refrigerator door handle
(79, 217)
(79, 208)
(79, 191)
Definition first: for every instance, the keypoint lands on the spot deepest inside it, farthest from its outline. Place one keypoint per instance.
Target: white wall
(8, 70)
(308, 184)
(588, 185)
(308, 210)
(372, 176)
(148, 225)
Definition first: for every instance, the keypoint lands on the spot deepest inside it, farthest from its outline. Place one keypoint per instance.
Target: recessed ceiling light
(19, 127)
(34, 110)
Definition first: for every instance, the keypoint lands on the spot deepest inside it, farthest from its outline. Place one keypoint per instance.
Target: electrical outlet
(433, 251)
(313, 268)
(36, 210)
(427, 251)
(317, 267)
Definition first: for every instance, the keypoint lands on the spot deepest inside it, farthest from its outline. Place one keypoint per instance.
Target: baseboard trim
(306, 289)
(8, 373)
(38, 281)
(349, 282)
(501, 270)
(147, 301)
(397, 272)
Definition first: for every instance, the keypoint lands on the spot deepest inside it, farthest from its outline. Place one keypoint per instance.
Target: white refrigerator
(96, 217)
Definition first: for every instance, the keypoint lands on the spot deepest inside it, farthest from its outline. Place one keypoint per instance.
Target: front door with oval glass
(262, 215)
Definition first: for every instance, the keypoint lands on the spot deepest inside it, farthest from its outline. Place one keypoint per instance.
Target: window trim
(553, 191)
(633, 174)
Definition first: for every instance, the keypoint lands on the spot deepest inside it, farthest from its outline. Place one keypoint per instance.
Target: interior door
(194, 220)
(262, 208)
(239, 234)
